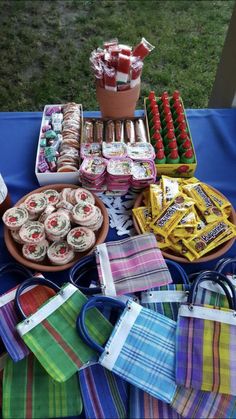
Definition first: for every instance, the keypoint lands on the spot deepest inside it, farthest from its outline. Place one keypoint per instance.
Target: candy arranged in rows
(55, 225)
(117, 66)
(60, 138)
(188, 218)
(129, 131)
(135, 151)
(116, 175)
(168, 129)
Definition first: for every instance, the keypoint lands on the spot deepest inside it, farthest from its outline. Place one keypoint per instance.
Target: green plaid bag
(30, 393)
(50, 333)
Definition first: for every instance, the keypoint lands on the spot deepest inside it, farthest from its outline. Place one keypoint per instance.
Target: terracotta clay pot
(117, 105)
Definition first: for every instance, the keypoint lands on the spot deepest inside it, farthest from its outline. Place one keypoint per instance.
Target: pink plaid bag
(123, 267)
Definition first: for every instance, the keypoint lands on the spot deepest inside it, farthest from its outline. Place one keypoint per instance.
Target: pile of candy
(98, 130)
(117, 66)
(60, 138)
(116, 175)
(168, 128)
(188, 218)
(55, 225)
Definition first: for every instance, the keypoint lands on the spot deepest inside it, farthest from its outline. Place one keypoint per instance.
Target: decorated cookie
(35, 203)
(52, 196)
(84, 195)
(83, 212)
(57, 224)
(32, 232)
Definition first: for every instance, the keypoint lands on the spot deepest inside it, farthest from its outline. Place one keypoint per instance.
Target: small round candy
(81, 239)
(32, 232)
(60, 253)
(15, 217)
(35, 203)
(35, 252)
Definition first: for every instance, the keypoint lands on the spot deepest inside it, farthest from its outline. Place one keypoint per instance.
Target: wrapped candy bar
(110, 79)
(143, 49)
(136, 71)
(123, 68)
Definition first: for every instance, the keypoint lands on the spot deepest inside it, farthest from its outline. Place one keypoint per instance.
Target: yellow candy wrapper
(170, 216)
(143, 217)
(156, 199)
(170, 189)
(210, 237)
(199, 193)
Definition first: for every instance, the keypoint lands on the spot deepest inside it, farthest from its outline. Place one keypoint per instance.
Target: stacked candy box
(58, 157)
(116, 156)
(169, 133)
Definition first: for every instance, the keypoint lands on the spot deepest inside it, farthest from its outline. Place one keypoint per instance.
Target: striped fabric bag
(164, 300)
(141, 348)
(198, 404)
(30, 300)
(30, 393)
(104, 394)
(51, 335)
(3, 359)
(205, 341)
(130, 265)
(142, 405)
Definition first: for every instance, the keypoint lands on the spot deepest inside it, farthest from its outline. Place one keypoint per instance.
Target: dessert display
(68, 221)
(189, 218)
(170, 135)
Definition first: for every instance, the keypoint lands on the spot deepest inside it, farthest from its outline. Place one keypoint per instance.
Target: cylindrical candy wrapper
(110, 78)
(136, 70)
(119, 130)
(129, 131)
(143, 49)
(98, 131)
(123, 68)
(88, 132)
(140, 131)
(110, 43)
(110, 132)
(125, 49)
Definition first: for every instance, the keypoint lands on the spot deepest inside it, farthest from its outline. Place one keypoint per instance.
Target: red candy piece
(188, 154)
(173, 154)
(157, 136)
(176, 95)
(172, 145)
(160, 155)
(151, 95)
(159, 145)
(170, 134)
(186, 145)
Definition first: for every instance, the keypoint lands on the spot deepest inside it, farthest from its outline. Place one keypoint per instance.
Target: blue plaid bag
(141, 348)
(164, 300)
(105, 395)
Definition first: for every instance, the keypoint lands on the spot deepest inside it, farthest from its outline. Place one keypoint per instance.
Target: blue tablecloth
(213, 133)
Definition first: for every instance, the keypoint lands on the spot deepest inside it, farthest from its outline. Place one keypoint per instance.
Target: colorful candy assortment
(117, 66)
(128, 131)
(168, 129)
(188, 218)
(53, 225)
(60, 138)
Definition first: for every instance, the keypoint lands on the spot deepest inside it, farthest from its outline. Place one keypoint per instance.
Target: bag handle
(26, 284)
(223, 263)
(95, 302)
(13, 267)
(78, 273)
(219, 279)
(179, 269)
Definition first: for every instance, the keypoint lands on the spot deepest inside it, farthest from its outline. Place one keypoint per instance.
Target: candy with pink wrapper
(117, 66)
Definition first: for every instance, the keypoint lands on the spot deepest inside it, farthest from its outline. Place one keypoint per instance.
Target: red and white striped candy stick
(135, 74)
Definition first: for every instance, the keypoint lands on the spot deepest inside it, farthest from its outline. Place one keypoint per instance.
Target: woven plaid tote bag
(30, 300)
(51, 335)
(30, 393)
(205, 341)
(104, 394)
(127, 266)
(141, 347)
(164, 300)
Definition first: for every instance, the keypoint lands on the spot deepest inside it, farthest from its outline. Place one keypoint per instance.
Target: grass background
(45, 47)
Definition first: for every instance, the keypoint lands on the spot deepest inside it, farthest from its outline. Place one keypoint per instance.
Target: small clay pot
(117, 105)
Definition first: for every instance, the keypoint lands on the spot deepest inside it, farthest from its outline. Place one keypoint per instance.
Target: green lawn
(45, 47)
